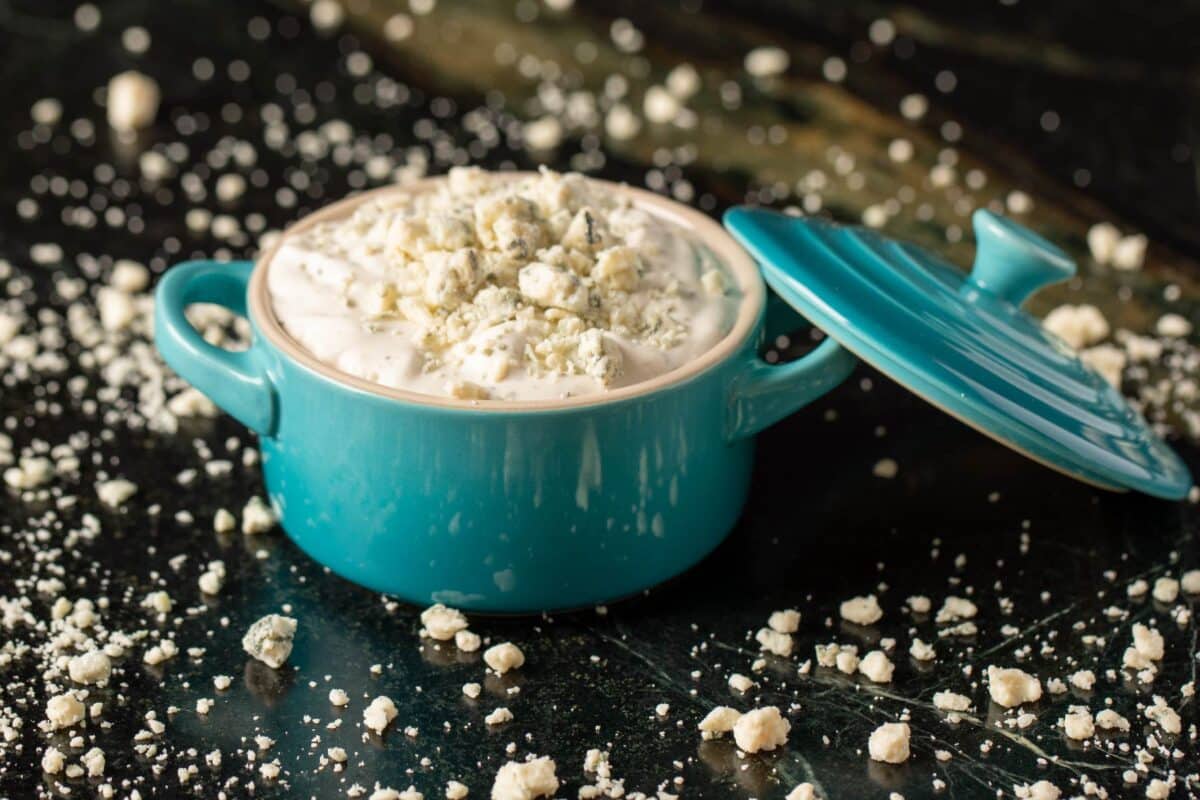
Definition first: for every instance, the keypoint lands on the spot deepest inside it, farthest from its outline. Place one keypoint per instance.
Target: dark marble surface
(964, 515)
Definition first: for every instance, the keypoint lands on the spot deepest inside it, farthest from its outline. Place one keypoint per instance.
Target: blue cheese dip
(493, 287)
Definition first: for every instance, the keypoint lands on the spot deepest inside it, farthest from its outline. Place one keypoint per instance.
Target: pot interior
(740, 266)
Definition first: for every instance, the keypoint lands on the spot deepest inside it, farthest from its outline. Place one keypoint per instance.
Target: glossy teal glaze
(962, 342)
(490, 509)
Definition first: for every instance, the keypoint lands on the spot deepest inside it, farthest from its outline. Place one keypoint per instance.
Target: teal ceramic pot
(489, 505)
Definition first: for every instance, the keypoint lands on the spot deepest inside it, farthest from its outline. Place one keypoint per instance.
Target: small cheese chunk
(443, 623)
(1042, 790)
(132, 101)
(503, 657)
(761, 729)
(718, 721)
(115, 492)
(1012, 687)
(525, 780)
(1078, 723)
(467, 641)
(1148, 642)
(257, 516)
(379, 714)
(1166, 590)
(1078, 326)
(270, 639)
(787, 621)
(1190, 581)
(53, 761)
(1110, 720)
(951, 701)
(877, 666)
(499, 716)
(861, 610)
(63, 711)
(955, 609)
(1083, 680)
(802, 791)
(92, 667)
(922, 651)
(889, 743)
(774, 642)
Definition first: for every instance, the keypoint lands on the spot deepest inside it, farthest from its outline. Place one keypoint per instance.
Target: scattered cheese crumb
(886, 468)
(115, 492)
(761, 729)
(379, 714)
(63, 711)
(951, 701)
(922, 651)
(1084, 679)
(1110, 720)
(764, 62)
(132, 101)
(443, 623)
(53, 761)
(877, 667)
(467, 641)
(1078, 724)
(503, 657)
(499, 716)
(1078, 326)
(718, 721)
(889, 743)
(788, 620)
(861, 610)
(92, 667)
(774, 642)
(740, 683)
(257, 516)
(525, 781)
(802, 791)
(1042, 790)
(1012, 687)
(270, 639)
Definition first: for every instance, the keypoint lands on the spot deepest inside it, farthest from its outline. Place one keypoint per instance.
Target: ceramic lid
(962, 342)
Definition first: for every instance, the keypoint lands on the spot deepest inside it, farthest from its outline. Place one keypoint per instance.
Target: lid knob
(1013, 262)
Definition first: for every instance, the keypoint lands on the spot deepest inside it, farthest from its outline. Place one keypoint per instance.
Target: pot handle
(237, 381)
(762, 394)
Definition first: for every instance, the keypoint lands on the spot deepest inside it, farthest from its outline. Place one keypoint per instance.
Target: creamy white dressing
(429, 293)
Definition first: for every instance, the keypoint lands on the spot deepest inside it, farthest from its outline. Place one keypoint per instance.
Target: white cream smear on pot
(490, 286)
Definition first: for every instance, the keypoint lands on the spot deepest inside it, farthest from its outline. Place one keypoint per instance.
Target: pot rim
(736, 260)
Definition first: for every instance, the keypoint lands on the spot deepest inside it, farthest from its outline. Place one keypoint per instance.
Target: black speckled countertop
(1047, 560)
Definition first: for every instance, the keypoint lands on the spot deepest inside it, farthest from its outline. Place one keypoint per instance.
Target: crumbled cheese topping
(490, 286)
